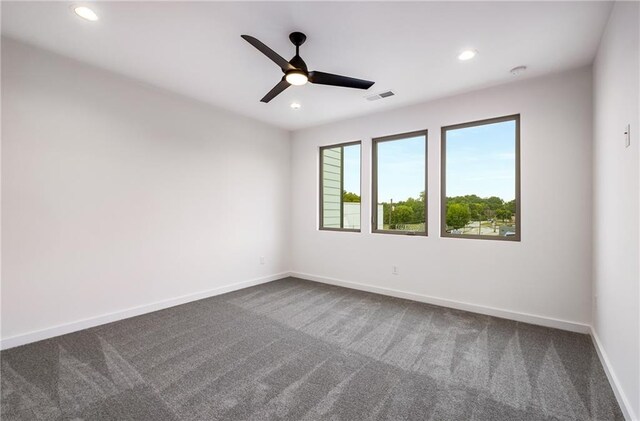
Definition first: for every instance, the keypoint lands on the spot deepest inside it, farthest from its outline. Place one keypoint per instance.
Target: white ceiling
(195, 49)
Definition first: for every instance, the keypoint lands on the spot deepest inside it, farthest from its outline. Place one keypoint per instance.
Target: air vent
(381, 95)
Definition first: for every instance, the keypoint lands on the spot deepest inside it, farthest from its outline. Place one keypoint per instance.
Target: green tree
(458, 215)
(494, 203)
(350, 197)
(503, 214)
(476, 211)
(417, 209)
(403, 214)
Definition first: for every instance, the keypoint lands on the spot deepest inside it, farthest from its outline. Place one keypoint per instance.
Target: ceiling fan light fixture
(296, 77)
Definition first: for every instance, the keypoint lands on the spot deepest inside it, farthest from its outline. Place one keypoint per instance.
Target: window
(481, 179)
(340, 187)
(400, 184)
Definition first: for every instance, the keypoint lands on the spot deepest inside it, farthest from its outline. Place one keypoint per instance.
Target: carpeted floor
(299, 350)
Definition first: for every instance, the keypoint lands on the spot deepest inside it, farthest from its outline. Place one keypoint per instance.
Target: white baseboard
(443, 302)
(627, 410)
(63, 329)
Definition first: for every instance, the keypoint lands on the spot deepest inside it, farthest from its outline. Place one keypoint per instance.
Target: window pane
(400, 165)
(340, 177)
(480, 180)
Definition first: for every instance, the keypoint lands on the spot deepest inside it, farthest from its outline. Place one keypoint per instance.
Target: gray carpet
(299, 350)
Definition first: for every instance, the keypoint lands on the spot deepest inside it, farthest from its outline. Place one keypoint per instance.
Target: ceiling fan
(296, 72)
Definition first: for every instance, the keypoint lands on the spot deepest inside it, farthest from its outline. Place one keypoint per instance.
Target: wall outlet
(394, 270)
(262, 260)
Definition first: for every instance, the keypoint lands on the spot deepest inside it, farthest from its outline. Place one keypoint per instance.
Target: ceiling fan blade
(275, 57)
(276, 90)
(337, 80)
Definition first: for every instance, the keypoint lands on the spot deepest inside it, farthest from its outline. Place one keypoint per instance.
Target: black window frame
(374, 182)
(321, 192)
(443, 181)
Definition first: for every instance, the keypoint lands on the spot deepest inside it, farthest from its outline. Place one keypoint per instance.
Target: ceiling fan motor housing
(299, 64)
(297, 38)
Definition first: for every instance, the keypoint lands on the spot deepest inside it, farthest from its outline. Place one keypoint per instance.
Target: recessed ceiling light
(295, 106)
(85, 13)
(517, 70)
(467, 55)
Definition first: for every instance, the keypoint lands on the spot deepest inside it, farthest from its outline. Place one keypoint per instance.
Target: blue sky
(400, 169)
(352, 169)
(480, 160)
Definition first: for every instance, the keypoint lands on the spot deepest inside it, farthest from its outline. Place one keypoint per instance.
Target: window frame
(321, 226)
(443, 179)
(374, 182)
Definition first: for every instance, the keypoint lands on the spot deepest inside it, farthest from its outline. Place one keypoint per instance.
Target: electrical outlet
(394, 270)
(262, 260)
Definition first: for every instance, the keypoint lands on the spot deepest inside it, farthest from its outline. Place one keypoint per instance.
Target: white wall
(616, 251)
(547, 274)
(116, 194)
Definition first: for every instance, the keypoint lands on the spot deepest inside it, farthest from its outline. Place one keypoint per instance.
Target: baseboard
(613, 379)
(63, 329)
(474, 308)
